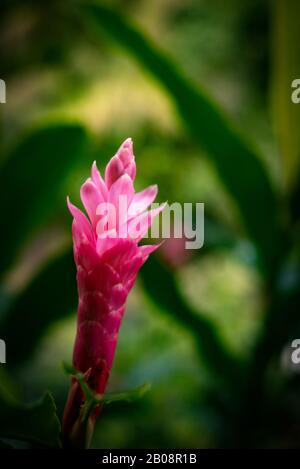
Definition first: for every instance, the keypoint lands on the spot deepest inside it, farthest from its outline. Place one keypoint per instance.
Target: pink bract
(107, 264)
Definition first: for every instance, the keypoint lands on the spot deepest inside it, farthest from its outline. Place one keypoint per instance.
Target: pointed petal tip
(127, 145)
(69, 203)
(72, 208)
(98, 181)
(147, 249)
(154, 189)
(94, 171)
(128, 142)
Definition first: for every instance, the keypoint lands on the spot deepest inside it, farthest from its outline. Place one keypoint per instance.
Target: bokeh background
(204, 89)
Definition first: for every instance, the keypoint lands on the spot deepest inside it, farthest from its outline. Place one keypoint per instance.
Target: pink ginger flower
(108, 258)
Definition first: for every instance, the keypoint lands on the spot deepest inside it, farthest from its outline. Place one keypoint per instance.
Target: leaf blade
(36, 423)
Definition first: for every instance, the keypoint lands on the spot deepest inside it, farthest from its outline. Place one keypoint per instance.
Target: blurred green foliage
(36, 423)
(37, 180)
(210, 334)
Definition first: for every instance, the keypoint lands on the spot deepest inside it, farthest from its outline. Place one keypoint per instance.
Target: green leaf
(239, 168)
(93, 399)
(31, 177)
(50, 296)
(36, 423)
(126, 396)
(161, 288)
